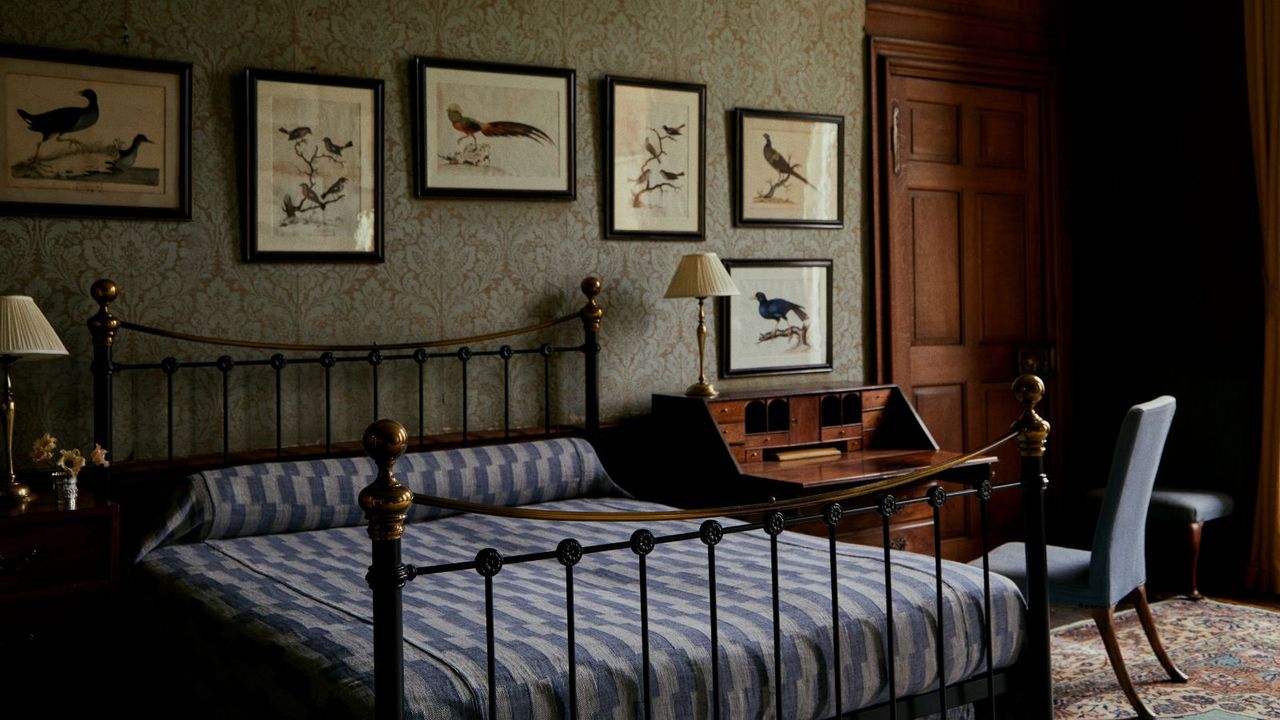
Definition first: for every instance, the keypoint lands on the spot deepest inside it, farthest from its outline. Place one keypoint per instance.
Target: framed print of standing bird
(654, 135)
(94, 135)
(781, 323)
(313, 167)
(493, 130)
(789, 169)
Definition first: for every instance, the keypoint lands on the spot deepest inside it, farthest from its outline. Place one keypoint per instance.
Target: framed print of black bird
(655, 161)
(493, 130)
(788, 169)
(313, 167)
(94, 135)
(781, 323)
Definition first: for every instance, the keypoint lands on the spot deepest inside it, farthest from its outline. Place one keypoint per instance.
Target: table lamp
(701, 276)
(24, 332)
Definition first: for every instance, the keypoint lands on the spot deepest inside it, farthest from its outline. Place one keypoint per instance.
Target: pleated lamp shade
(701, 275)
(24, 332)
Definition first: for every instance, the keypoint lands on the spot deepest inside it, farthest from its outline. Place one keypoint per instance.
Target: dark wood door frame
(977, 67)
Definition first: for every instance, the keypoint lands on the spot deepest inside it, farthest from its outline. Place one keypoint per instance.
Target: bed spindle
(375, 359)
(278, 361)
(327, 361)
(547, 351)
(711, 533)
(642, 543)
(505, 352)
(774, 524)
(225, 363)
(420, 357)
(488, 564)
(832, 514)
(169, 366)
(887, 507)
(569, 553)
(464, 356)
(937, 498)
(591, 315)
(984, 495)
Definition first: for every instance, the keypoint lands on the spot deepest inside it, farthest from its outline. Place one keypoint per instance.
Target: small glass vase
(64, 490)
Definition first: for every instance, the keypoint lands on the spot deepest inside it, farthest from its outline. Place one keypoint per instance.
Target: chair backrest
(1118, 562)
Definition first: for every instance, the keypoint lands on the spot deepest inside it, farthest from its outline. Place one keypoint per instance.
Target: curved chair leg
(1139, 598)
(1104, 618)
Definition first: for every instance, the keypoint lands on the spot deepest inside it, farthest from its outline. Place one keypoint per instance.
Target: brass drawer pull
(13, 567)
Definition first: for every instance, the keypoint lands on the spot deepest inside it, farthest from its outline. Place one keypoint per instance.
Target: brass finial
(591, 313)
(386, 501)
(103, 325)
(1032, 429)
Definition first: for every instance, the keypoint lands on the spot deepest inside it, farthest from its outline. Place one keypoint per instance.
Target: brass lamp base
(15, 493)
(701, 389)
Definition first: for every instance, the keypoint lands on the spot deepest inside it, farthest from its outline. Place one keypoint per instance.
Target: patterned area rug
(1231, 653)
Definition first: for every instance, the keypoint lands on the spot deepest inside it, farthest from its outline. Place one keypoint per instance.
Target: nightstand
(59, 573)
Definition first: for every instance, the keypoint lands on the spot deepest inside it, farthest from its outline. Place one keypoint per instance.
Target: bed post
(385, 503)
(1032, 431)
(591, 313)
(102, 327)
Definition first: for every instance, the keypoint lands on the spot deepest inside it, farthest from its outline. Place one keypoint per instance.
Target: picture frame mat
(630, 126)
(821, 195)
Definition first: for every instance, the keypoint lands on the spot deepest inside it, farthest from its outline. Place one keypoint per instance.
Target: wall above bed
(453, 267)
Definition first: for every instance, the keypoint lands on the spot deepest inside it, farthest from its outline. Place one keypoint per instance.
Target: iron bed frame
(386, 502)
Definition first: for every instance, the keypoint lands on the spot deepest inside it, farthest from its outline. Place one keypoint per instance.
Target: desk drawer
(874, 399)
(842, 432)
(729, 411)
(47, 558)
(757, 440)
(733, 433)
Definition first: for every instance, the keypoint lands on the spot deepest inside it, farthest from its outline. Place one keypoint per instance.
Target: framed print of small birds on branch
(781, 320)
(655, 158)
(88, 135)
(788, 169)
(493, 130)
(313, 167)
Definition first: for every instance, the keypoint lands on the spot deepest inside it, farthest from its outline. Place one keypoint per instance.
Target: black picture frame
(124, 146)
(637, 114)
(744, 327)
(769, 142)
(524, 113)
(319, 137)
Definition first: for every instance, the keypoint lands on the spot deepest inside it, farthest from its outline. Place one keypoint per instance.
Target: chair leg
(1139, 599)
(1194, 537)
(1104, 618)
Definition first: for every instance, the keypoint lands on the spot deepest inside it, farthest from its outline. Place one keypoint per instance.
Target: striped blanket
(291, 615)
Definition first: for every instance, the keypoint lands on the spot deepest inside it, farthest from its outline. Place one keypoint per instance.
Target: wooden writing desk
(726, 450)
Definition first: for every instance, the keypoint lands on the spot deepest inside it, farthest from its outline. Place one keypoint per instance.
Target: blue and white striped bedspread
(297, 606)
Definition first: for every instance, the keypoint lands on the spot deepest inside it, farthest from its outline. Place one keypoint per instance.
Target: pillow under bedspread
(291, 614)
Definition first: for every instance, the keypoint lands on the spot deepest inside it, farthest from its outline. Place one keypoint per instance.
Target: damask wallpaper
(453, 267)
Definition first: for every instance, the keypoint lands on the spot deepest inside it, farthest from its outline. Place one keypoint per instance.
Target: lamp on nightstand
(701, 276)
(24, 332)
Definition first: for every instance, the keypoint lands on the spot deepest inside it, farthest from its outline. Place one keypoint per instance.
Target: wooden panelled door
(962, 262)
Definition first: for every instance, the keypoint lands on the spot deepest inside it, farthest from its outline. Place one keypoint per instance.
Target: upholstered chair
(1115, 568)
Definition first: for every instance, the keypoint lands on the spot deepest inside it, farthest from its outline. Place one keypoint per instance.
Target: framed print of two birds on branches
(313, 167)
(91, 135)
(790, 169)
(781, 321)
(655, 161)
(493, 130)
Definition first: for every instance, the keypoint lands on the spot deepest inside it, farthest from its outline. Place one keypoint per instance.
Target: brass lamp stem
(702, 388)
(13, 490)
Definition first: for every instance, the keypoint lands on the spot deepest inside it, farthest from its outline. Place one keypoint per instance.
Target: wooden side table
(59, 574)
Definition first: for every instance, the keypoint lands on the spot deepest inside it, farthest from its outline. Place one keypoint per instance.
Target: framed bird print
(493, 130)
(789, 169)
(781, 320)
(312, 168)
(655, 159)
(88, 135)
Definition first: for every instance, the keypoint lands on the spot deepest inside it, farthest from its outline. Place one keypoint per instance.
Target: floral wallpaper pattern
(454, 267)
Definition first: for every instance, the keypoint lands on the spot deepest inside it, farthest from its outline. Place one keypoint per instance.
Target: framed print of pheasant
(789, 169)
(493, 130)
(781, 321)
(655, 162)
(313, 167)
(94, 135)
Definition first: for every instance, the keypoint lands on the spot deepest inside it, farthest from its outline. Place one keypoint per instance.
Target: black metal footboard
(386, 503)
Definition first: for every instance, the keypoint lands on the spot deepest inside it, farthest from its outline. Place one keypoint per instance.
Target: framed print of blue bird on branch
(313, 167)
(94, 135)
(789, 169)
(781, 321)
(493, 130)
(655, 158)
